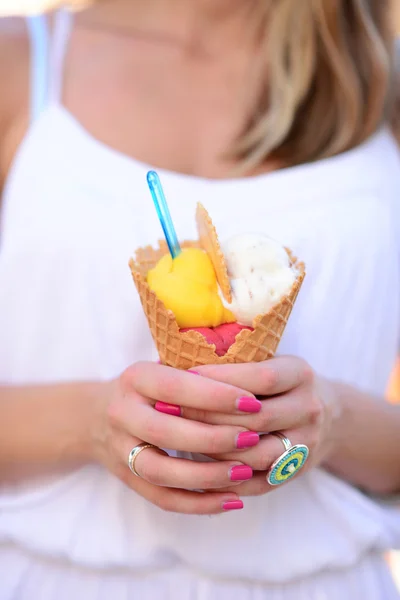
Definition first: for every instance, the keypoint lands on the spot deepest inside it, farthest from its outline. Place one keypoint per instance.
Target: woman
(276, 115)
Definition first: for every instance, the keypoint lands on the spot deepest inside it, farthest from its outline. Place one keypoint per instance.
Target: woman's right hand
(128, 417)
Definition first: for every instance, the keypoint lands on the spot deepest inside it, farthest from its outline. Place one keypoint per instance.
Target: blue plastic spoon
(163, 213)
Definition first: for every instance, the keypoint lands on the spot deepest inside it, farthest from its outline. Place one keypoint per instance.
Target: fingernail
(240, 473)
(168, 409)
(247, 439)
(194, 372)
(249, 405)
(232, 505)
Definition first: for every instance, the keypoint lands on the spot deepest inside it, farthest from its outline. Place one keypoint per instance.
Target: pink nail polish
(249, 405)
(247, 439)
(241, 473)
(232, 505)
(168, 409)
(193, 372)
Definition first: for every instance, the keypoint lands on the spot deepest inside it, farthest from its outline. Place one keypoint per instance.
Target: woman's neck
(210, 25)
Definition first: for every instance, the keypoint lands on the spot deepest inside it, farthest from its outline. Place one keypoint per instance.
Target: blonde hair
(329, 80)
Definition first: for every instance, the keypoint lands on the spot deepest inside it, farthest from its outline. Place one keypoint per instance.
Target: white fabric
(74, 211)
(53, 580)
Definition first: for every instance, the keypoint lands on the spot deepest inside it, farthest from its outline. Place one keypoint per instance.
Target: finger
(285, 412)
(139, 419)
(183, 501)
(166, 471)
(182, 388)
(270, 449)
(256, 486)
(266, 378)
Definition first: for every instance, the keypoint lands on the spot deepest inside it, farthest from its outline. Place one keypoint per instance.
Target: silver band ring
(285, 441)
(134, 453)
(289, 462)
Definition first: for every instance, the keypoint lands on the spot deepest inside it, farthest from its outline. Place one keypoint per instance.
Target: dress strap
(48, 48)
(397, 53)
(39, 65)
(63, 22)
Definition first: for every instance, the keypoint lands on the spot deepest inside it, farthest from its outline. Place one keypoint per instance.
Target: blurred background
(394, 387)
(12, 7)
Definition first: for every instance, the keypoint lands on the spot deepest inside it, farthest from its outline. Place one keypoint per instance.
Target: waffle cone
(190, 349)
(210, 243)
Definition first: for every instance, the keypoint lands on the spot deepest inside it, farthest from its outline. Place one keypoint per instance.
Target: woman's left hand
(294, 402)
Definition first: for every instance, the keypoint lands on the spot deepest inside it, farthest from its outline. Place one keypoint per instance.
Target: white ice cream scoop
(260, 274)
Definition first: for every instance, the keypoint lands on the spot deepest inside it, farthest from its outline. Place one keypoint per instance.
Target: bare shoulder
(14, 42)
(14, 68)
(14, 88)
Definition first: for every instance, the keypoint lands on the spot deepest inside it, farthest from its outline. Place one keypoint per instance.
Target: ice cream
(188, 286)
(222, 337)
(260, 274)
(251, 281)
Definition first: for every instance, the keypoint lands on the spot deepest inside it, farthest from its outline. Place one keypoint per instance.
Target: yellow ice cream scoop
(187, 285)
